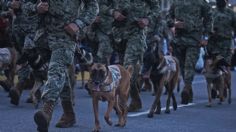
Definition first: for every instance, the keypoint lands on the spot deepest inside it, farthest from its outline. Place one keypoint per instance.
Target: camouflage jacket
(224, 23)
(195, 14)
(136, 9)
(105, 16)
(63, 12)
(26, 19)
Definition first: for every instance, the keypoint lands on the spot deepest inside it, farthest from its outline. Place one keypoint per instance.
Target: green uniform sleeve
(154, 10)
(207, 17)
(88, 14)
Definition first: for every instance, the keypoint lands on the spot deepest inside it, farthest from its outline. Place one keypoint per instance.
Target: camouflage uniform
(224, 23)
(60, 14)
(135, 37)
(197, 20)
(103, 30)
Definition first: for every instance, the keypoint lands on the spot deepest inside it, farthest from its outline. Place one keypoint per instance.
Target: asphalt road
(191, 118)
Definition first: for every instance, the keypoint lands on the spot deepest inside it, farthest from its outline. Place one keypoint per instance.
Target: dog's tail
(130, 69)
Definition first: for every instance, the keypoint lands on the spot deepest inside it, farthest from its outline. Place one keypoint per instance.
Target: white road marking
(162, 109)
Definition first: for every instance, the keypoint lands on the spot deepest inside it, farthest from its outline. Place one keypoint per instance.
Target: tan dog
(218, 79)
(110, 84)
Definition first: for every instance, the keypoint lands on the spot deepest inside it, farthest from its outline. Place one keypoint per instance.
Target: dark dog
(37, 59)
(164, 71)
(110, 84)
(218, 79)
(8, 65)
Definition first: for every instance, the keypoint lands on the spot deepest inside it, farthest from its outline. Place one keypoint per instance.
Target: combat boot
(187, 94)
(135, 105)
(43, 117)
(68, 117)
(15, 93)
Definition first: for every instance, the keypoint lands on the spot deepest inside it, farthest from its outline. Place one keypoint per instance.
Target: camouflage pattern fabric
(61, 44)
(224, 23)
(103, 29)
(134, 36)
(197, 20)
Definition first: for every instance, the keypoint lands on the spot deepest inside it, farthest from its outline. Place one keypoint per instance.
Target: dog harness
(116, 76)
(5, 55)
(168, 65)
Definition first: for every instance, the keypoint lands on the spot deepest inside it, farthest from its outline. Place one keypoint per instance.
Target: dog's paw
(167, 111)
(108, 121)
(158, 112)
(209, 105)
(175, 107)
(120, 125)
(150, 115)
(96, 129)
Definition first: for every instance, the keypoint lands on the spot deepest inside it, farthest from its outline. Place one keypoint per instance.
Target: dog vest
(167, 66)
(5, 56)
(116, 76)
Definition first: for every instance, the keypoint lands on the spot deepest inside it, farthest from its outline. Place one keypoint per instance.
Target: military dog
(163, 71)
(110, 83)
(218, 79)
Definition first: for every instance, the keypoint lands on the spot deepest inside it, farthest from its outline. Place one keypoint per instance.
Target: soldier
(131, 19)
(24, 23)
(191, 19)
(62, 25)
(220, 41)
(103, 28)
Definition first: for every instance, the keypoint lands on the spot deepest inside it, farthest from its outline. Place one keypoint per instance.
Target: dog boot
(43, 117)
(68, 117)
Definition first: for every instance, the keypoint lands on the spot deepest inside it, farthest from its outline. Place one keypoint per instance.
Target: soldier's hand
(15, 4)
(143, 22)
(42, 7)
(97, 20)
(204, 42)
(118, 16)
(71, 29)
(179, 24)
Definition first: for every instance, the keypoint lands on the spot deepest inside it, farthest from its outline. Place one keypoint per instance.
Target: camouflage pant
(187, 56)
(134, 56)
(58, 83)
(104, 50)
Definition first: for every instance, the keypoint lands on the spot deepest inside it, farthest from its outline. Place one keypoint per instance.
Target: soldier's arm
(121, 6)
(154, 10)
(88, 14)
(29, 7)
(171, 16)
(207, 17)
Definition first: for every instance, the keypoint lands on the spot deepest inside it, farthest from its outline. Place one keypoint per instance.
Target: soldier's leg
(68, 117)
(192, 54)
(180, 54)
(60, 60)
(133, 56)
(104, 50)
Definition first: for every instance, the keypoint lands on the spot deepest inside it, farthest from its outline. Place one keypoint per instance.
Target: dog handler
(191, 19)
(62, 23)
